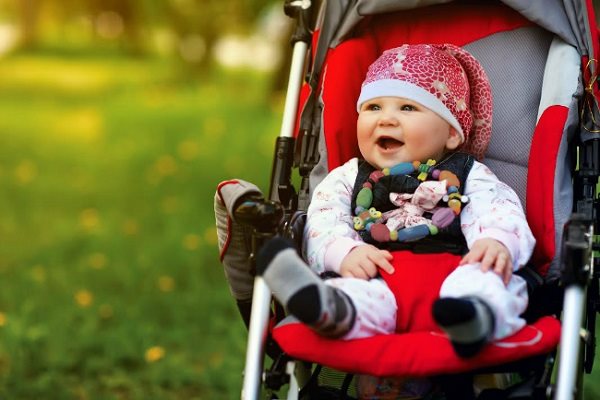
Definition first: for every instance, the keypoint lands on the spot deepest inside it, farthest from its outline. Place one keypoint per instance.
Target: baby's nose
(388, 118)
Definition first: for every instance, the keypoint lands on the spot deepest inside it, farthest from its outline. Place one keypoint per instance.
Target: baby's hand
(362, 262)
(493, 255)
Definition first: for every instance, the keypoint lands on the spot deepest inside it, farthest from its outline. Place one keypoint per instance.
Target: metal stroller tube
(576, 267)
(570, 343)
(293, 92)
(261, 300)
(263, 216)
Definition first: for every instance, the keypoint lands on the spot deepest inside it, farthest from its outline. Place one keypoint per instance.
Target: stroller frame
(282, 212)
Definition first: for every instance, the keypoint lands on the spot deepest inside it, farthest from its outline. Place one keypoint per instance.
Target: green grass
(111, 281)
(111, 285)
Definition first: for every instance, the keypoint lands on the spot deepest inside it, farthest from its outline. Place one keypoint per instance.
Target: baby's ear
(454, 139)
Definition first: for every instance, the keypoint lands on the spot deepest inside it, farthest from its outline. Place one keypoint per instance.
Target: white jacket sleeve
(494, 211)
(329, 233)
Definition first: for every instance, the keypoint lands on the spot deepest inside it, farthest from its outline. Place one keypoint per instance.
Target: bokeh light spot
(89, 219)
(216, 359)
(191, 241)
(188, 150)
(130, 227)
(192, 48)
(84, 298)
(213, 128)
(97, 260)
(85, 124)
(165, 165)
(25, 172)
(170, 204)
(38, 273)
(109, 24)
(154, 354)
(166, 283)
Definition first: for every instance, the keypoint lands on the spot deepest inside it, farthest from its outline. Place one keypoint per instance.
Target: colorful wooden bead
(404, 168)
(442, 217)
(375, 176)
(450, 178)
(380, 233)
(413, 233)
(455, 205)
(365, 218)
(364, 198)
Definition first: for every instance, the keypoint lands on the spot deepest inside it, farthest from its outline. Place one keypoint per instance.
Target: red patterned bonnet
(444, 78)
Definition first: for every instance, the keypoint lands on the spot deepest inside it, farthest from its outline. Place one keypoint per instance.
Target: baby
(420, 235)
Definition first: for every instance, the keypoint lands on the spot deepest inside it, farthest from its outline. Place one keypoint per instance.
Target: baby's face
(392, 130)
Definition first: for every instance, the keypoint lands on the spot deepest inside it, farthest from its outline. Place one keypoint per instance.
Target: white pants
(376, 306)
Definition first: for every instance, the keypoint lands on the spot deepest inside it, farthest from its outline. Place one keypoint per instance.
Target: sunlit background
(117, 120)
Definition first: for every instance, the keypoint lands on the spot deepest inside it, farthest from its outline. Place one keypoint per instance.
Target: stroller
(541, 58)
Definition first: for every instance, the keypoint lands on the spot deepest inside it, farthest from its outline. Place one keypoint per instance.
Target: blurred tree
(28, 11)
(118, 19)
(207, 20)
(195, 24)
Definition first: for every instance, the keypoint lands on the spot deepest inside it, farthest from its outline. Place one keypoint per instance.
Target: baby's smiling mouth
(389, 143)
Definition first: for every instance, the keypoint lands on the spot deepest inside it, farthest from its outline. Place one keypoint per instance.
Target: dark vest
(449, 239)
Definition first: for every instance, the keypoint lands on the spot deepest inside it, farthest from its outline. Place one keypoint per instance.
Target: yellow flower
(154, 354)
(38, 273)
(166, 283)
(97, 260)
(25, 172)
(188, 150)
(130, 227)
(89, 219)
(2, 319)
(191, 241)
(165, 165)
(170, 204)
(84, 298)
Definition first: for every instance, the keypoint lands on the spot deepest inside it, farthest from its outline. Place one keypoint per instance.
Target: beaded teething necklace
(369, 219)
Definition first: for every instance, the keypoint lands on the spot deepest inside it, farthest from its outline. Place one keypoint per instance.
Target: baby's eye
(408, 107)
(372, 107)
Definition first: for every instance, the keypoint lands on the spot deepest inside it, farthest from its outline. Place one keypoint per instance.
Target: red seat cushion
(414, 353)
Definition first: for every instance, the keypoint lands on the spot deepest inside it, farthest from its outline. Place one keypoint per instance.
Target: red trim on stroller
(226, 244)
(540, 182)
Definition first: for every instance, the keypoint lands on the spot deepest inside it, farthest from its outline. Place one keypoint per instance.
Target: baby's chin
(389, 163)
